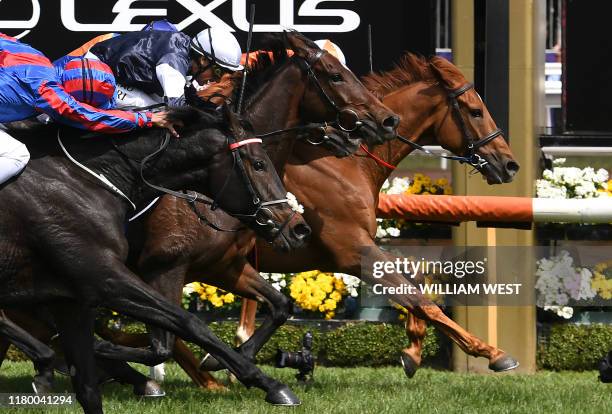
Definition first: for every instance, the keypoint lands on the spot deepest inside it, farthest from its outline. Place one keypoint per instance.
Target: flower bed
(316, 294)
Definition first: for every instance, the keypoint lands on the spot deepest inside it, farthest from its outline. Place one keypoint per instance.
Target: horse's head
(242, 181)
(334, 94)
(465, 127)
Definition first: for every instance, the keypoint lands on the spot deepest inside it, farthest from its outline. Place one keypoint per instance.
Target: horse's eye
(336, 77)
(259, 165)
(476, 113)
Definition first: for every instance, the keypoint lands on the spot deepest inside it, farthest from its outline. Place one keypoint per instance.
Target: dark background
(398, 25)
(587, 66)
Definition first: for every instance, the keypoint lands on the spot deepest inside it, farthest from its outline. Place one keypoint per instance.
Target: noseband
(307, 65)
(472, 157)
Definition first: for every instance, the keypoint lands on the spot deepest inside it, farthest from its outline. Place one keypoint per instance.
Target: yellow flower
(228, 298)
(336, 296)
(448, 191)
(442, 182)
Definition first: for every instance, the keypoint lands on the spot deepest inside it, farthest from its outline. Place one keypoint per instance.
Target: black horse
(63, 233)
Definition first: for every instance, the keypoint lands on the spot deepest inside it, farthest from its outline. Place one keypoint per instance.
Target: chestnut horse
(340, 198)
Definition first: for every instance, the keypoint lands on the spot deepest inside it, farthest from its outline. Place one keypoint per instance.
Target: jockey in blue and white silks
(156, 63)
(31, 85)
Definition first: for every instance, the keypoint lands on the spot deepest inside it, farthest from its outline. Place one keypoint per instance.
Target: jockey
(30, 85)
(151, 65)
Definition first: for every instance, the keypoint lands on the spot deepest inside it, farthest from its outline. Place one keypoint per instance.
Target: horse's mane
(410, 69)
(192, 117)
(266, 65)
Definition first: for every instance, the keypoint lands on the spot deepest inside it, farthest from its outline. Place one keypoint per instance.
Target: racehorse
(321, 89)
(63, 233)
(437, 105)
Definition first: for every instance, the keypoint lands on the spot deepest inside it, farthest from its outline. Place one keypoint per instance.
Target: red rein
(378, 160)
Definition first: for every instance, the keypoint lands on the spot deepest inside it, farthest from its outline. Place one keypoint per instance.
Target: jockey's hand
(161, 120)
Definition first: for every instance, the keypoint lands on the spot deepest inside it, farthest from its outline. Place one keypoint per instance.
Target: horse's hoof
(209, 363)
(42, 386)
(150, 389)
(283, 396)
(504, 363)
(410, 367)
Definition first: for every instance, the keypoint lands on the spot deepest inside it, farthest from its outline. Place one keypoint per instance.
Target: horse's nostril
(302, 231)
(512, 167)
(391, 123)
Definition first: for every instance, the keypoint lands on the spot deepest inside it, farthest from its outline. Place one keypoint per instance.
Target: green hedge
(575, 347)
(355, 344)
(568, 347)
(360, 343)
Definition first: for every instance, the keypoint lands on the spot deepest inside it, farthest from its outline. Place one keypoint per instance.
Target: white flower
(352, 283)
(385, 185)
(380, 232)
(393, 232)
(293, 203)
(562, 311)
(399, 186)
(559, 161)
(188, 289)
(602, 176)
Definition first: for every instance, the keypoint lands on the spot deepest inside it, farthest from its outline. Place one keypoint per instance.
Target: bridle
(473, 143)
(347, 120)
(262, 209)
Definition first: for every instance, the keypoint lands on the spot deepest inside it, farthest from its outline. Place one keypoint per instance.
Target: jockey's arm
(53, 100)
(171, 71)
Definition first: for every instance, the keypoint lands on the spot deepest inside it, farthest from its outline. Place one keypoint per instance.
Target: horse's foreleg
(185, 358)
(75, 326)
(122, 291)
(251, 285)
(246, 324)
(41, 355)
(411, 357)
(430, 312)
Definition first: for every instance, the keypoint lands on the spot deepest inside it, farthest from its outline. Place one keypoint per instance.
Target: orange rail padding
(455, 208)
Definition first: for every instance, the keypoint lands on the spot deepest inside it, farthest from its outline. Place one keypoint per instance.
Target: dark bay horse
(63, 239)
(321, 89)
(340, 198)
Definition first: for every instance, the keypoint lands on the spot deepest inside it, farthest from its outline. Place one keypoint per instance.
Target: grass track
(355, 391)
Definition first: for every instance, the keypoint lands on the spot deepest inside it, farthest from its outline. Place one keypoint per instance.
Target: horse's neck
(416, 112)
(276, 106)
(179, 166)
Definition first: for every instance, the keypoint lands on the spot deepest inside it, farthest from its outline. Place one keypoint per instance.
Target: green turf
(359, 390)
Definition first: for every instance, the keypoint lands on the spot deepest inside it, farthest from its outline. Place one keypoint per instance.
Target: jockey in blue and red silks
(79, 94)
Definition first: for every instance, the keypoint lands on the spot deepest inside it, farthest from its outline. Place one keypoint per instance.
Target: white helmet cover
(219, 46)
(332, 48)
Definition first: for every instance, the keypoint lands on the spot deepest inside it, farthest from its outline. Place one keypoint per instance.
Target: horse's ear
(233, 121)
(299, 44)
(446, 73)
